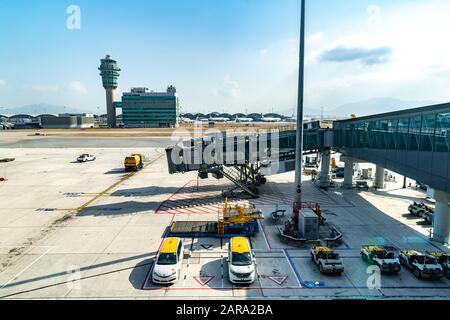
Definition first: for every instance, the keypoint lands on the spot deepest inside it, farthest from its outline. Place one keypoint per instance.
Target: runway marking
(264, 235)
(203, 280)
(107, 190)
(277, 279)
(26, 268)
(297, 276)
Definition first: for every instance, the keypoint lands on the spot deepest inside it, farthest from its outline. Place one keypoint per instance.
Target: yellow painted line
(107, 190)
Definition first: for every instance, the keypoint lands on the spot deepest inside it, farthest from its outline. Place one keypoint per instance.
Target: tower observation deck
(109, 71)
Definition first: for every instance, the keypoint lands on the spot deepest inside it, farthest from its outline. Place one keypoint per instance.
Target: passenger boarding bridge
(413, 142)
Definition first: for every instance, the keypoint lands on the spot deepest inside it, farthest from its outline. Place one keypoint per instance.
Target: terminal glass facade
(416, 132)
(148, 109)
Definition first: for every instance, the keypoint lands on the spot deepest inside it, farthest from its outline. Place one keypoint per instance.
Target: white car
(241, 261)
(85, 157)
(167, 268)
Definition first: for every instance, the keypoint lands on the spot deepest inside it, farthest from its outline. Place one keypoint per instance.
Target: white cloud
(77, 87)
(263, 52)
(228, 88)
(367, 56)
(2, 83)
(41, 87)
(419, 62)
(316, 37)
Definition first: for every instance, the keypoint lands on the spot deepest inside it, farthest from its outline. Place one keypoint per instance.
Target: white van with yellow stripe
(168, 263)
(241, 261)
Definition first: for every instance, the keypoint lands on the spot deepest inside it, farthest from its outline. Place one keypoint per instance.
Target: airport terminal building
(148, 109)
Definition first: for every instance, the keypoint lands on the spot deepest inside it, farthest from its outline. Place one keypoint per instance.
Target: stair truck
(328, 261)
(134, 162)
(379, 256)
(423, 265)
(444, 260)
(234, 220)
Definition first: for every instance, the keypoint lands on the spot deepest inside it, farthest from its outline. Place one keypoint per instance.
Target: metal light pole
(299, 135)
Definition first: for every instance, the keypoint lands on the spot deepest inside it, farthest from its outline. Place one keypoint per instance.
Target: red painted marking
(277, 280)
(203, 282)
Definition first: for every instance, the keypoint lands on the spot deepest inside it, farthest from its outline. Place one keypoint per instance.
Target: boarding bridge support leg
(441, 217)
(379, 177)
(348, 173)
(325, 168)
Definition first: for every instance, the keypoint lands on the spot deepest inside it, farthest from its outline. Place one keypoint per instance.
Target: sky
(225, 55)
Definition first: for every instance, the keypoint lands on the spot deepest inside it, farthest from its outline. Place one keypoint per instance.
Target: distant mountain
(40, 108)
(376, 105)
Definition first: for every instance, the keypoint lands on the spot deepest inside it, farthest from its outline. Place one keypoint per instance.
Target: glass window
(427, 132)
(414, 133)
(167, 259)
(391, 142)
(402, 133)
(442, 133)
(241, 259)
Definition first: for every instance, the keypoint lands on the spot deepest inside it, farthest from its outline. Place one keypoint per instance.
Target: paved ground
(70, 230)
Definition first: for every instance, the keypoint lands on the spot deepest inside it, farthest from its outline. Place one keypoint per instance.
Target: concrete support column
(441, 217)
(348, 173)
(110, 110)
(325, 168)
(379, 177)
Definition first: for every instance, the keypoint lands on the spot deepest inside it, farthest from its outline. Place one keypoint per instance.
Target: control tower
(109, 70)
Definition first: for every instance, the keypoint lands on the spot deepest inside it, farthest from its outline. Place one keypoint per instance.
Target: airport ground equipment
(361, 185)
(291, 233)
(85, 157)
(235, 220)
(379, 256)
(416, 208)
(134, 162)
(339, 172)
(427, 215)
(444, 260)
(423, 265)
(277, 215)
(328, 261)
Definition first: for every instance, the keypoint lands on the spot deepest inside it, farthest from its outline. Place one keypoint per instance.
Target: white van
(241, 262)
(168, 263)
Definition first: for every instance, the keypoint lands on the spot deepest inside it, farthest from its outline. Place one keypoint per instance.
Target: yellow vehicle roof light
(239, 245)
(170, 245)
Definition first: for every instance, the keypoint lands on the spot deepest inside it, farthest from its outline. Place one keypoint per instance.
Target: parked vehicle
(339, 172)
(241, 261)
(168, 263)
(85, 157)
(379, 256)
(416, 208)
(444, 260)
(328, 261)
(423, 265)
(427, 215)
(134, 162)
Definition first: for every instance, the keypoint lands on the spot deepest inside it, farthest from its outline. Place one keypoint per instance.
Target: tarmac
(90, 230)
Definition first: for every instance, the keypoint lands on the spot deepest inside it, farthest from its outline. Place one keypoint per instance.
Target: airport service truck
(423, 265)
(379, 256)
(328, 261)
(444, 260)
(134, 162)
